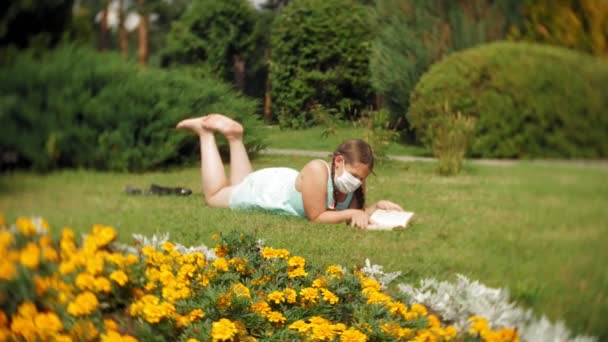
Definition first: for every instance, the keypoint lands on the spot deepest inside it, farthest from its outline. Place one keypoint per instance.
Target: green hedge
(528, 100)
(80, 108)
(320, 56)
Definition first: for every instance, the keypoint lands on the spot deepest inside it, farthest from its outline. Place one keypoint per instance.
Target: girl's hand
(388, 205)
(360, 219)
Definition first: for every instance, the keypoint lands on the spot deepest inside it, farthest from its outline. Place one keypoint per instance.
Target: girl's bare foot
(193, 124)
(223, 124)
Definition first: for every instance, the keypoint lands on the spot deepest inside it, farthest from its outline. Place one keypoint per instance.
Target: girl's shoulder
(316, 166)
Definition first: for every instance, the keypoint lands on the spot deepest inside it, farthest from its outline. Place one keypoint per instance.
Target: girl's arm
(313, 186)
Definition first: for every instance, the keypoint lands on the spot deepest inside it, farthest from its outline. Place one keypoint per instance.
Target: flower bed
(93, 289)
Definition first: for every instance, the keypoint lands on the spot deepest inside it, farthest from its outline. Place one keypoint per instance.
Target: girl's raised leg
(240, 166)
(215, 186)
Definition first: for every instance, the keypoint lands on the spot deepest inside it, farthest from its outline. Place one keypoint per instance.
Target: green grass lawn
(537, 229)
(313, 139)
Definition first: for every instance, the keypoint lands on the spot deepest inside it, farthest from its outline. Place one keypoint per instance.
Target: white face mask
(346, 182)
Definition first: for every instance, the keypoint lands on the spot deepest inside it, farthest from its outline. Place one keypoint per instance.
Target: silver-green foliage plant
(320, 56)
(456, 301)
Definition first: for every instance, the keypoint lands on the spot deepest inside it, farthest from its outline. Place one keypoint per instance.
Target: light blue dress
(274, 190)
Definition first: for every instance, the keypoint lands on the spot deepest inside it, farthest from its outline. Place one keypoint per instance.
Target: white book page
(387, 220)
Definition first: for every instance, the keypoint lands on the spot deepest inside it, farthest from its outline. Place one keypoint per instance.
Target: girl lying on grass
(318, 192)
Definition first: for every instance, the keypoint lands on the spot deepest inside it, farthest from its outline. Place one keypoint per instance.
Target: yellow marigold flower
(322, 332)
(25, 226)
(329, 296)
(449, 332)
(94, 265)
(271, 253)
(30, 256)
(196, 314)
(110, 324)
(103, 234)
(48, 323)
(290, 295)
(84, 331)
(353, 335)
(223, 330)
(396, 308)
(85, 281)
(309, 294)
(478, 324)
(240, 290)
(220, 264)
(9, 269)
(83, 304)
(297, 272)
(296, 261)
(6, 239)
(192, 340)
(27, 310)
(375, 297)
(300, 326)
(508, 335)
(261, 308)
(50, 254)
(67, 267)
(131, 259)
(371, 284)
(221, 250)
(334, 271)
(113, 336)
(319, 283)
(239, 265)
(120, 277)
(433, 321)
(23, 328)
(275, 317)
(276, 296)
(419, 308)
(102, 284)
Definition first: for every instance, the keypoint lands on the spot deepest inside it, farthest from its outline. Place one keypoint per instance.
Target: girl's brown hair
(353, 151)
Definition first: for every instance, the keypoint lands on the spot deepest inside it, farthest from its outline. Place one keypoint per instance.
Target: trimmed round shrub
(528, 100)
(80, 108)
(320, 58)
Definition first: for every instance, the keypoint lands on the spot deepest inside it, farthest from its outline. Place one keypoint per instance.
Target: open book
(387, 220)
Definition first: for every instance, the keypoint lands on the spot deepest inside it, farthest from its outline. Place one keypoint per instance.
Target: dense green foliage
(320, 57)
(529, 100)
(413, 34)
(79, 108)
(212, 34)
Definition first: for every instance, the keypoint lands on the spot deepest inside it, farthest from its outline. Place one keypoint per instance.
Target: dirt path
(579, 163)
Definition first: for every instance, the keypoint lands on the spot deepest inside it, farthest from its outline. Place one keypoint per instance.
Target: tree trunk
(268, 92)
(239, 72)
(103, 33)
(124, 36)
(142, 48)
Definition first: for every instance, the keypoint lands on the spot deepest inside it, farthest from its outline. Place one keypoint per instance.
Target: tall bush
(320, 53)
(413, 34)
(79, 108)
(218, 34)
(528, 100)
